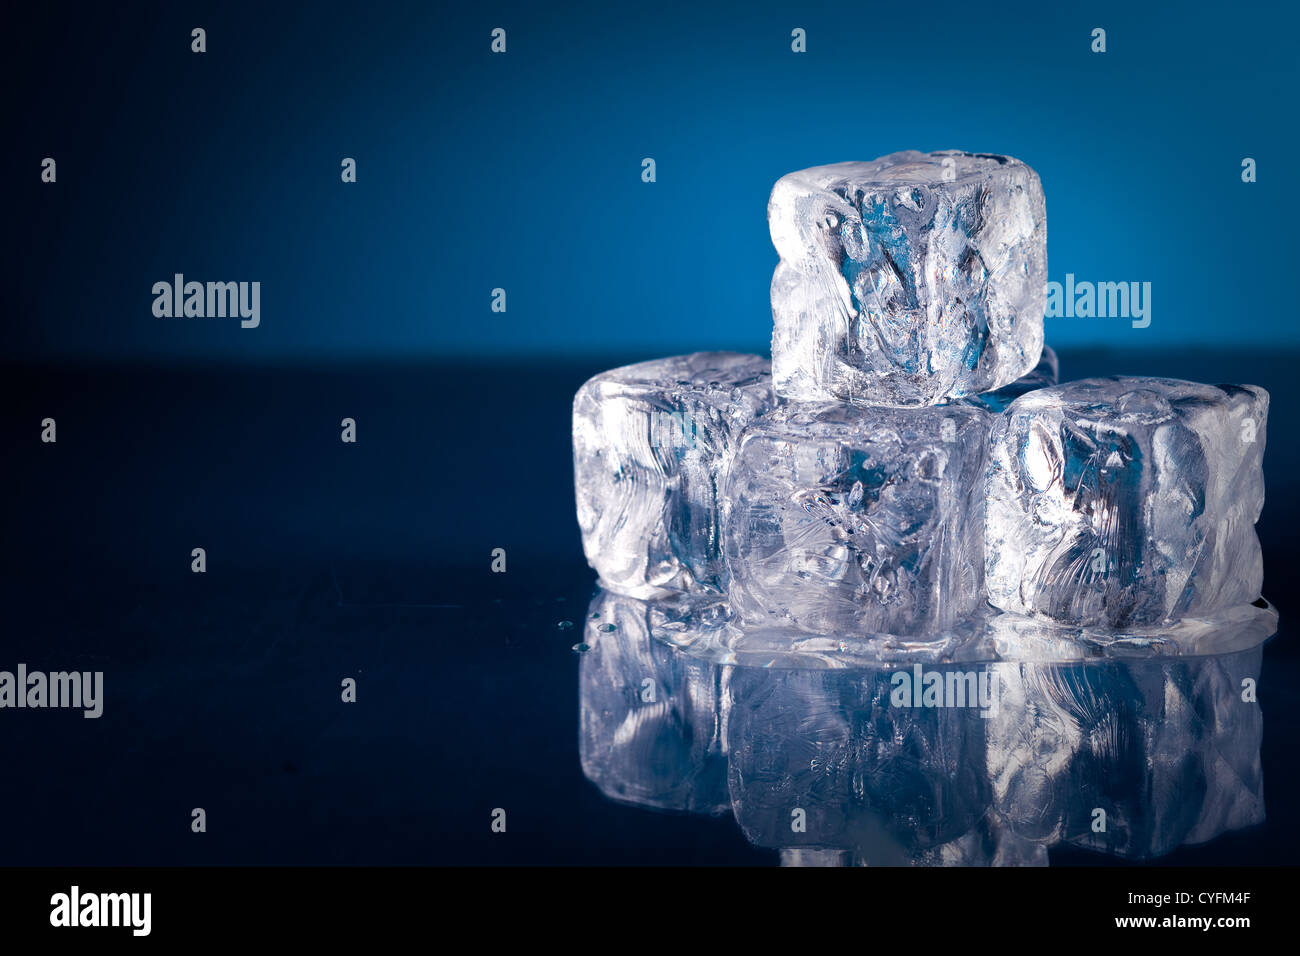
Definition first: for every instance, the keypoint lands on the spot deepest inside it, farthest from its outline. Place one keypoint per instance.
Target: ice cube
(1043, 375)
(1164, 748)
(650, 717)
(649, 445)
(989, 843)
(1232, 730)
(1013, 637)
(907, 280)
(833, 752)
(846, 520)
(1126, 501)
(712, 632)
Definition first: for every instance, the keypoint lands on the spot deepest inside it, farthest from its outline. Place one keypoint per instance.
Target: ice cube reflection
(986, 748)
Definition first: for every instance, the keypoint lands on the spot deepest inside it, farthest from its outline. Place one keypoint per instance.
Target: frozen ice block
(1043, 375)
(650, 442)
(1126, 501)
(847, 520)
(650, 717)
(908, 280)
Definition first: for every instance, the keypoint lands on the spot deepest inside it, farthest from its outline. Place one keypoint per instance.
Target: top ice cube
(908, 280)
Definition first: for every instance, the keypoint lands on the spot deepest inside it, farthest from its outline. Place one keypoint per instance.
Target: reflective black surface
(373, 561)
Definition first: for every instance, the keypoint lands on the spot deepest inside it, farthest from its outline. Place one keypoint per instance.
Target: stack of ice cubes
(907, 459)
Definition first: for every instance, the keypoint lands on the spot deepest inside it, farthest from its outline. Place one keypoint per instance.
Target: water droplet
(606, 628)
(564, 625)
(581, 648)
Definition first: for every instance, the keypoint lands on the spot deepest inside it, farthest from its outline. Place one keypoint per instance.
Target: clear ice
(908, 280)
(656, 744)
(906, 498)
(892, 785)
(1164, 747)
(650, 443)
(843, 520)
(1046, 373)
(1161, 743)
(1126, 501)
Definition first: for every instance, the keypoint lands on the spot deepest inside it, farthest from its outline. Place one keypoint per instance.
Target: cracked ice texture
(1165, 747)
(1043, 375)
(1126, 501)
(907, 280)
(846, 520)
(650, 442)
(650, 718)
(893, 785)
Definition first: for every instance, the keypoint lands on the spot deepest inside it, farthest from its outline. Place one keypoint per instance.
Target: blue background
(522, 170)
(519, 171)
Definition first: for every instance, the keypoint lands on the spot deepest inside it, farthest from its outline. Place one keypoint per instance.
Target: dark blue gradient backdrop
(519, 171)
(522, 170)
